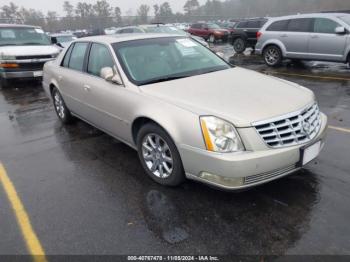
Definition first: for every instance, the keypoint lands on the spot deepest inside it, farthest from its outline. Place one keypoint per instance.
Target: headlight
(220, 135)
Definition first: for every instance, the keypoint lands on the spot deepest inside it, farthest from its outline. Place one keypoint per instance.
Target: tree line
(102, 14)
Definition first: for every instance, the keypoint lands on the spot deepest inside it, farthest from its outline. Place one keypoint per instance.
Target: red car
(209, 31)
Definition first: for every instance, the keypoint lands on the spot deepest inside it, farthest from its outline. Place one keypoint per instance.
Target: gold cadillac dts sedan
(187, 112)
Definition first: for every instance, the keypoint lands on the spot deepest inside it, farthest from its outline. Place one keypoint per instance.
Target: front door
(324, 43)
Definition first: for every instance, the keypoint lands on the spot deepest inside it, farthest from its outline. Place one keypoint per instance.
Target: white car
(23, 52)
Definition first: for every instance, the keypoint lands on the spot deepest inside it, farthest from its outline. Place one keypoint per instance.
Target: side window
(77, 57)
(253, 24)
(99, 58)
(67, 56)
(278, 26)
(324, 25)
(300, 25)
(242, 25)
(196, 26)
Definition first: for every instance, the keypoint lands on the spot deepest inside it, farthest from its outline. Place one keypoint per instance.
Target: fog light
(224, 181)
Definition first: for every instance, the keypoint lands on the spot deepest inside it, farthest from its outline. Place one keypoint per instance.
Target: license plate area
(309, 153)
(38, 73)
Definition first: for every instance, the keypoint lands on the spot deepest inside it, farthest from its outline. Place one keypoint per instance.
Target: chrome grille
(292, 129)
(269, 175)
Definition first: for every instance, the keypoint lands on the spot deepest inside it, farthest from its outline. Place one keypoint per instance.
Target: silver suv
(321, 37)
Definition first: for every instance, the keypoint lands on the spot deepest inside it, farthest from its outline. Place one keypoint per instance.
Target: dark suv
(209, 31)
(245, 33)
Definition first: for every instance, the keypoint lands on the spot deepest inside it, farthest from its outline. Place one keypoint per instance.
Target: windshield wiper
(164, 79)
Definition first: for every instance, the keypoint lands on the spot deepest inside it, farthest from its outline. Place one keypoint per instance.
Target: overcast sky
(125, 5)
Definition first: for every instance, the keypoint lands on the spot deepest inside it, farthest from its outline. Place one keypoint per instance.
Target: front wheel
(4, 82)
(239, 45)
(273, 56)
(159, 155)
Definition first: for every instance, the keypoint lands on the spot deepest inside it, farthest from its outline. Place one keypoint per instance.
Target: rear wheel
(239, 45)
(273, 56)
(159, 155)
(61, 109)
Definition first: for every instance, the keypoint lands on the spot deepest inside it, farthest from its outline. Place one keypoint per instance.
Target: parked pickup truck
(23, 52)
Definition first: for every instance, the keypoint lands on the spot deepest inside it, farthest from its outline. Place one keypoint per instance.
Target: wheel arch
(277, 43)
(139, 122)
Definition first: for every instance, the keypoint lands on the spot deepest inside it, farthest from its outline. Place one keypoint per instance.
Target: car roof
(110, 39)
(17, 26)
(55, 35)
(311, 15)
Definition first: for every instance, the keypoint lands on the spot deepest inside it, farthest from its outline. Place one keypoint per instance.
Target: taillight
(258, 35)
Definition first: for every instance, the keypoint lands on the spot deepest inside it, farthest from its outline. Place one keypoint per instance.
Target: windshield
(213, 26)
(149, 61)
(165, 30)
(65, 39)
(23, 36)
(345, 18)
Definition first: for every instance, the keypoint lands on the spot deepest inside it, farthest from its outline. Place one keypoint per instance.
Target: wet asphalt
(86, 193)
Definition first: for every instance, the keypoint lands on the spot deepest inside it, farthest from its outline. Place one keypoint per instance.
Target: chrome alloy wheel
(59, 105)
(157, 155)
(272, 56)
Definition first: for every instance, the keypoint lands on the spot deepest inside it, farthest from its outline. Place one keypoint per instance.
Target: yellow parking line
(346, 130)
(32, 241)
(310, 76)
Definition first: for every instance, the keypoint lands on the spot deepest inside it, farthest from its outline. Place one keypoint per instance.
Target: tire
(159, 156)
(211, 39)
(239, 45)
(4, 83)
(61, 109)
(273, 56)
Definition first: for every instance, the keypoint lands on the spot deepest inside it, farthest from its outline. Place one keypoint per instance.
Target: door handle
(315, 36)
(87, 88)
(284, 35)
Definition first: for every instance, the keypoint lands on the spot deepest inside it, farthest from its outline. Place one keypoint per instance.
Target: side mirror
(107, 73)
(340, 30)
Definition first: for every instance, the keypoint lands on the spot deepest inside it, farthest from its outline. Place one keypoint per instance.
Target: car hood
(238, 95)
(29, 50)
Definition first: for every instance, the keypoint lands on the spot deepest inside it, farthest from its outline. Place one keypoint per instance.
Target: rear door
(325, 44)
(296, 38)
(69, 77)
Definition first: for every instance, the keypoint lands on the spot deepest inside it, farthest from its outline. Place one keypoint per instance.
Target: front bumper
(236, 171)
(21, 74)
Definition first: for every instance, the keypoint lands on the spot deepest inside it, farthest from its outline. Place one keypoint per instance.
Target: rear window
(278, 26)
(77, 57)
(196, 26)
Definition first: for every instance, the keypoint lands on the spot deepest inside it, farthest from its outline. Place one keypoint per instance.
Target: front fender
(182, 125)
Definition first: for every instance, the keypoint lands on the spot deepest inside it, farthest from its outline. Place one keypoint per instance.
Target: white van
(23, 52)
